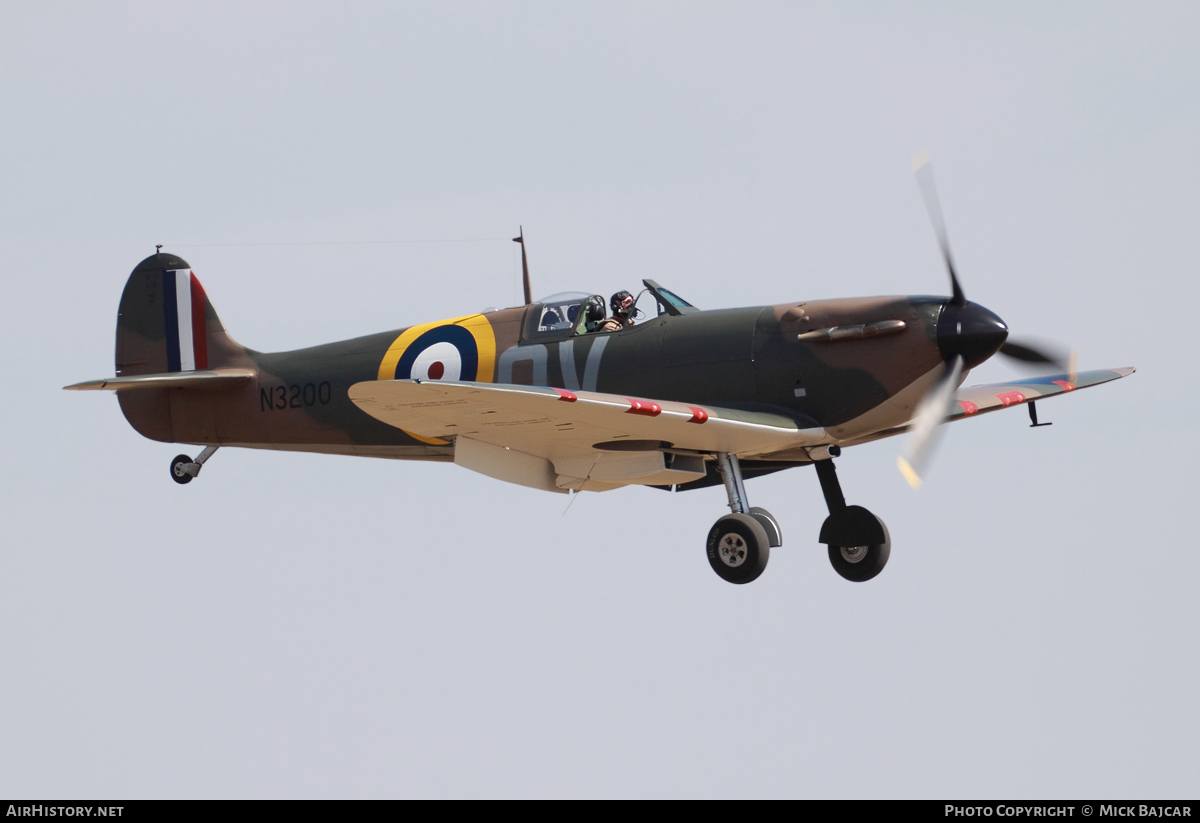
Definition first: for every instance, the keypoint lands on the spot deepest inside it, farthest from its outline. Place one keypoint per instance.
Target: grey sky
(297, 625)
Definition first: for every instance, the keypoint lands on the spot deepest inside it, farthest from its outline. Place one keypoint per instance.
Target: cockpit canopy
(560, 311)
(564, 315)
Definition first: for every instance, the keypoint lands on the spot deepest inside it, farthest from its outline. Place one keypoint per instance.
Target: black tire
(859, 543)
(859, 563)
(770, 526)
(738, 548)
(177, 473)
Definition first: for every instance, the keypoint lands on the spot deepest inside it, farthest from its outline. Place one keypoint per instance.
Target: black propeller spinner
(967, 335)
(967, 329)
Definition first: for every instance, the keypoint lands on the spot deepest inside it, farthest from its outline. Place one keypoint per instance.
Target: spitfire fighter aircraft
(543, 396)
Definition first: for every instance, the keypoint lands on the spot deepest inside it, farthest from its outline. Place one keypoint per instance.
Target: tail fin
(166, 323)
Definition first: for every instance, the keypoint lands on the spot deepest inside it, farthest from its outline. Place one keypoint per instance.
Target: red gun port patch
(1065, 385)
(698, 415)
(968, 407)
(643, 407)
(1010, 397)
(569, 396)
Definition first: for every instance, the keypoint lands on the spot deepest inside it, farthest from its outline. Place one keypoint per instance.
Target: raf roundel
(444, 353)
(459, 349)
(462, 349)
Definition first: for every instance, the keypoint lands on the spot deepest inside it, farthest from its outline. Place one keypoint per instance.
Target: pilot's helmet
(595, 309)
(622, 304)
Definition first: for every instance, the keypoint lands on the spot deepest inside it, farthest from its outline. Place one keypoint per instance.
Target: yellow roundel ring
(458, 349)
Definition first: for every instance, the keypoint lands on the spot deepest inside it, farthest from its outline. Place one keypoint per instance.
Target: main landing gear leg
(740, 542)
(183, 468)
(858, 541)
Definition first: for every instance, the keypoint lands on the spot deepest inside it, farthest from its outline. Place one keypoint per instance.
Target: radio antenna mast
(524, 265)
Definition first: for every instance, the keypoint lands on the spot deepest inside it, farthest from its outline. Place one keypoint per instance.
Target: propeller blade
(925, 429)
(924, 171)
(1027, 353)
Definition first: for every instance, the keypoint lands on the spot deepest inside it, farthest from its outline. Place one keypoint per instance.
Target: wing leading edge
(975, 400)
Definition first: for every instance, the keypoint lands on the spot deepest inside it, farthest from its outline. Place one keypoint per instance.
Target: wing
(208, 379)
(976, 400)
(557, 439)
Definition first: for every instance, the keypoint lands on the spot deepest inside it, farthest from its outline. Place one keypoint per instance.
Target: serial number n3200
(275, 398)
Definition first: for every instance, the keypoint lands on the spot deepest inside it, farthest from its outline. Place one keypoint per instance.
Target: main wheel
(738, 548)
(859, 543)
(177, 473)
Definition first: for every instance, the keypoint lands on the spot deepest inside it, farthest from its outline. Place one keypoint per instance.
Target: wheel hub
(853, 554)
(732, 550)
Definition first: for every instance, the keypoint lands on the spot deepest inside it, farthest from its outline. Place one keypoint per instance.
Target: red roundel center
(436, 370)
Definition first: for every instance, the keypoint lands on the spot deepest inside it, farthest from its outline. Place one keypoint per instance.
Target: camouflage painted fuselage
(750, 359)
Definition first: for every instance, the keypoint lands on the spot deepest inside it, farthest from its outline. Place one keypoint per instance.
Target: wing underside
(558, 440)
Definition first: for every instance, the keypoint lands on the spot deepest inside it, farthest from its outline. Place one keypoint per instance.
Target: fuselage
(852, 366)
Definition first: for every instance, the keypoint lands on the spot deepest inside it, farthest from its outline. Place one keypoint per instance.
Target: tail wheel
(738, 548)
(178, 473)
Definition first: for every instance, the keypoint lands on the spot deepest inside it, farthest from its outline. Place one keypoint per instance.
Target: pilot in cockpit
(622, 308)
